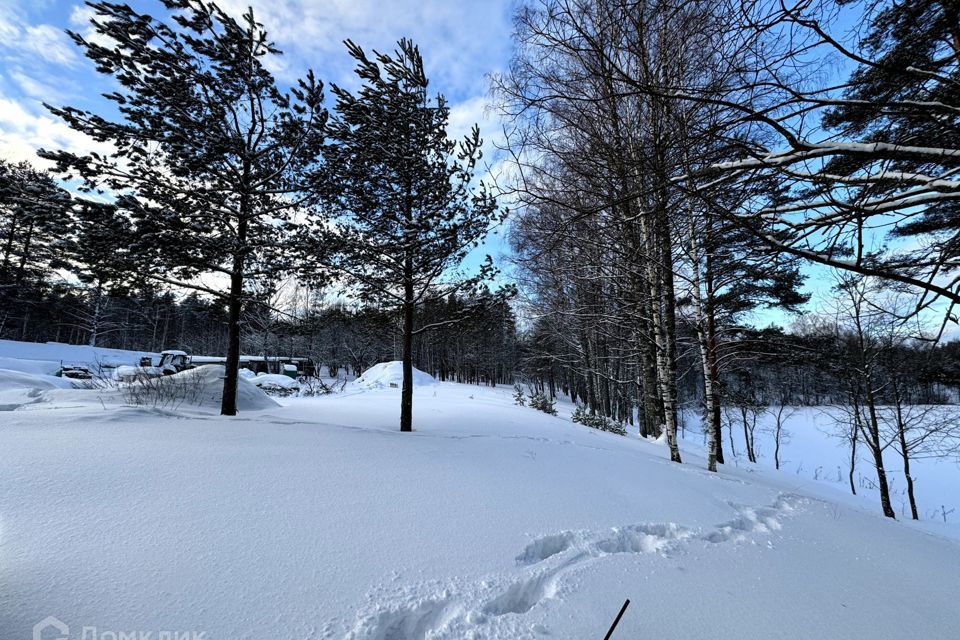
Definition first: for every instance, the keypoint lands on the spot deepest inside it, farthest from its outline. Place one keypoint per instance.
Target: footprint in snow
(457, 609)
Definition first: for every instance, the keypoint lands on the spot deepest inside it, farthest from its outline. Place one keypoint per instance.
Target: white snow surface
(319, 519)
(18, 388)
(274, 380)
(386, 373)
(46, 357)
(208, 381)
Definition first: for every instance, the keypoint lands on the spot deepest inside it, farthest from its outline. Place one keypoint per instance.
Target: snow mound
(40, 367)
(275, 380)
(18, 388)
(386, 374)
(10, 379)
(203, 386)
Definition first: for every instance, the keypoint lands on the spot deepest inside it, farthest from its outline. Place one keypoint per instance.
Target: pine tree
(98, 254)
(34, 220)
(518, 396)
(731, 274)
(409, 209)
(907, 95)
(209, 155)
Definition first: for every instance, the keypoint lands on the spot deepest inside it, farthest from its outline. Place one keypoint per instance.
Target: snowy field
(812, 450)
(315, 518)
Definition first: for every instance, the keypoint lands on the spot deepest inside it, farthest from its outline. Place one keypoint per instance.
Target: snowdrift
(10, 379)
(386, 373)
(275, 380)
(18, 388)
(203, 386)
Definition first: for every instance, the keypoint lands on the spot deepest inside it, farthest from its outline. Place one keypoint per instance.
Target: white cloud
(35, 88)
(24, 131)
(28, 42)
(49, 43)
(80, 17)
(460, 41)
(465, 114)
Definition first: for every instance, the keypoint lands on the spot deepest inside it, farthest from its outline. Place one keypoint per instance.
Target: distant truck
(174, 361)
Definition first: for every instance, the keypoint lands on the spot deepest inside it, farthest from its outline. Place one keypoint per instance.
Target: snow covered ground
(48, 357)
(811, 450)
(318, 519)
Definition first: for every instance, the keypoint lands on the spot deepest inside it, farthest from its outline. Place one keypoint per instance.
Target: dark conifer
(410, 208)
(208, 153)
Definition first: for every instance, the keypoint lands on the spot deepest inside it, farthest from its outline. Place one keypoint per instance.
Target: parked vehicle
(174, 361)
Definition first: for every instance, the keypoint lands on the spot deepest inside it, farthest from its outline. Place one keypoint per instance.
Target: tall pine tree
(409, 208)
(209, 155)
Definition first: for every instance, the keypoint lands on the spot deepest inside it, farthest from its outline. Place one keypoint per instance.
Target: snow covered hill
(318, 519)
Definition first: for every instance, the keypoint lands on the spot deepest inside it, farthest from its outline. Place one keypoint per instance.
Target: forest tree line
(682, 165)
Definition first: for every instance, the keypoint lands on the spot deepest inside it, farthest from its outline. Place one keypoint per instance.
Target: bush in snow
(582, 416)
(540, 402)
(164, 391)
(276, 384)
(518, 396)
(312, 386)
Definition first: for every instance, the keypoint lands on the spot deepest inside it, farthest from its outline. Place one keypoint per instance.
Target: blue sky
(462, 42)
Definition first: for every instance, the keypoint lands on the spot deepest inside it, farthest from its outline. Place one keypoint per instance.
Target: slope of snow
(18, 379)
(18, 388)
(386, 374)
(318, 519)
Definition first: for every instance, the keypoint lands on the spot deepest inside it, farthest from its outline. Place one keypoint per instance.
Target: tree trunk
(904, 450)
(708, 367)
(776, 440)
(854, 437)
(876, 448)
(712, 355)
(664, 321)
(748, 440)
(97, 311)
(406, 393)
(228, 405)
(906, 474)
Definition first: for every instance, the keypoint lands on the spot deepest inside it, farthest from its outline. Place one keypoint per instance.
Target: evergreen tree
(34, 220)
(409, 209)
(907, 95)
(208, 155)
(98, 254)
(732, 273)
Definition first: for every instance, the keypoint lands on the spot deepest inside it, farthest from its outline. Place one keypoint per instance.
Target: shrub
(582, 416)
(518, 397)
(168, 392)
(541, 402)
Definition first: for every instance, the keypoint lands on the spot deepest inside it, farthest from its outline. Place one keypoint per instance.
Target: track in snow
(457, 610)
